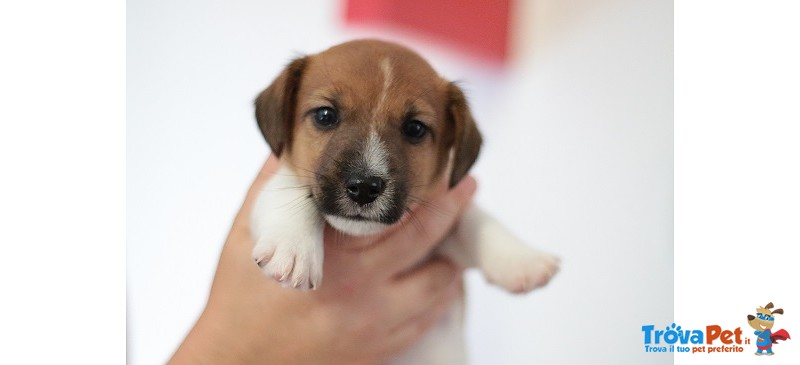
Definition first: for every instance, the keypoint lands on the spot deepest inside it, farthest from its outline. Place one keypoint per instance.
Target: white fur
(354, 227)
(287, 230)
(375, 155)
(386, 70)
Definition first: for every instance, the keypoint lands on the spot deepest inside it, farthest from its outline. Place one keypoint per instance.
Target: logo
(676, 339)
(763, 322)
(715, 338)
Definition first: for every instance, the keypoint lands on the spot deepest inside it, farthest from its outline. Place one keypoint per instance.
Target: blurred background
(574, 99)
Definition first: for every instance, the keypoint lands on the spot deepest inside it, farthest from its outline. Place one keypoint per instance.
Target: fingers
(417, 291)
(422, 229)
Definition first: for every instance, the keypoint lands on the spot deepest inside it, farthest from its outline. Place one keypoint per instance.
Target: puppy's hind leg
(287, 230)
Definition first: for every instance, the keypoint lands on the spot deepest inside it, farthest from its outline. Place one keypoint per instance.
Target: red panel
(367, 10)
(477, 26)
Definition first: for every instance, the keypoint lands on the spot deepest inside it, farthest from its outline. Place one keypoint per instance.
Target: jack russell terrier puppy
(367, 131)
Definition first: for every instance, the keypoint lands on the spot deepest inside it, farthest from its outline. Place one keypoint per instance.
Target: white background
(62, 152)
(737, 154)
(577, 160)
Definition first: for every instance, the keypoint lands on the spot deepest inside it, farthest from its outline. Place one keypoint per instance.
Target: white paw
(293, 264)
(521, 270)
(287, 230)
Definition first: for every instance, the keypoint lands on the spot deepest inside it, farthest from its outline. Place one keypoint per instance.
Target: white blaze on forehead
(376, 158)
(386, 70)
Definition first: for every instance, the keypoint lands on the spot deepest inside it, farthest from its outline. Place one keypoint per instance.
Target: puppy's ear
(275, 106)
(778, 311)
(769, 305)
(466, 140)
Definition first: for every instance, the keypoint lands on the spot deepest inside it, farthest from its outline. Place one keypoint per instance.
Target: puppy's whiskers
(305, 169)
(332, 157)
(291, 204)
(427, 205)
(294, 175)
(412, 217)
(298, 205)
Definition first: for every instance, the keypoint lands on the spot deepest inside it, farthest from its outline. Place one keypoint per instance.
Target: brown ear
(769, 305)
(778, 311)
(275, 106)
(466, 138)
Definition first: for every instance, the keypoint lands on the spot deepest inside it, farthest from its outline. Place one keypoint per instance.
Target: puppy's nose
(364, 190)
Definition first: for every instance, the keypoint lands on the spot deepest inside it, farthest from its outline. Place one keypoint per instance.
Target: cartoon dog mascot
(762, 322)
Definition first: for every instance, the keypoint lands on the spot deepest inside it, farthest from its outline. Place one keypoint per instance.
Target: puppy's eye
(325, 117)
(414, 131)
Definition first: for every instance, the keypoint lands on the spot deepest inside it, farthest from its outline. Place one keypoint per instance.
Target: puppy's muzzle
(364, 189)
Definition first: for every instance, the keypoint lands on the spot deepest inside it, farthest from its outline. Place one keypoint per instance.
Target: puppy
(365, 131)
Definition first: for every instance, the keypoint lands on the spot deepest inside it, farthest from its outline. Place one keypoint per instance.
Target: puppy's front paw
(293, 264)
(287, 230)
(521, 270)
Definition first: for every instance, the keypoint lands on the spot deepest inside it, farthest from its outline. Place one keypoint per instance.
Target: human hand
(377, 298)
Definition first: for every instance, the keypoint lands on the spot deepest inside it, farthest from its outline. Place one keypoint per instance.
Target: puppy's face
(369, 127)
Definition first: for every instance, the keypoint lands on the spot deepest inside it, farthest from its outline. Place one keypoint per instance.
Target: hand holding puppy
(370, 308)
